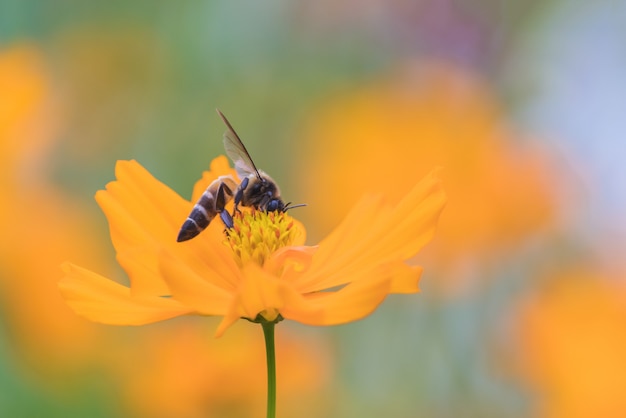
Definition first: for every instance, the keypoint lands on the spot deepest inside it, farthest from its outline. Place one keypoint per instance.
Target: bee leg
(227, 219)
(220, 204)
(239, 195)
(220, 199)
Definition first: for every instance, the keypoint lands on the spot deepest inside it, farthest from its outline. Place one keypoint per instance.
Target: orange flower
(40, 225)
(261, 267)
(572, 342)
(419, 116)
(178, 371)
(27, 116)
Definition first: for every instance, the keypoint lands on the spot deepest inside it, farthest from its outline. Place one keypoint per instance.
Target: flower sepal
(269, 316)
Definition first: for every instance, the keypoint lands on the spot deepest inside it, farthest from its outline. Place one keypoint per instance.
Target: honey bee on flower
(257, 190)
(265, 270)
(265, 273)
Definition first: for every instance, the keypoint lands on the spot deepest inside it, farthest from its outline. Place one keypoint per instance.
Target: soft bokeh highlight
(384, 135)
(571, 343)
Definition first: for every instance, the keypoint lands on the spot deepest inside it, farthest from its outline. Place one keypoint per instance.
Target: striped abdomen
(211, 203)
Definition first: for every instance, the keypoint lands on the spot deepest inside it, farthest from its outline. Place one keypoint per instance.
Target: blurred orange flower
(343, 279)
(572, 340)
(425, 115)
(27, 118)
(40, 224)
(180, 371)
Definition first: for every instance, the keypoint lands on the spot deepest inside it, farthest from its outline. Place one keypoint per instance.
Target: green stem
(268, 332)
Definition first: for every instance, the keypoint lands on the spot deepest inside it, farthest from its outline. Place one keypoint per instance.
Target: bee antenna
(287, 207)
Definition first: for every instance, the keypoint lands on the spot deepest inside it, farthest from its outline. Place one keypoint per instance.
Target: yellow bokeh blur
(571, 344)
(385, 135)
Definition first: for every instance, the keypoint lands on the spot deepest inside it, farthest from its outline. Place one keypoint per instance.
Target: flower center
(255, 235)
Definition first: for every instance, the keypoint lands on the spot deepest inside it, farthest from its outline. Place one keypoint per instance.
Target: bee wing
(237, 151)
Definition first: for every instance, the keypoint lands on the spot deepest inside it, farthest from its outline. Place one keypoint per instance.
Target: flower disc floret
(256, 235)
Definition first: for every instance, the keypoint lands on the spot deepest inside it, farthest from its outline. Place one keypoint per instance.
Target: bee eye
(274, 205)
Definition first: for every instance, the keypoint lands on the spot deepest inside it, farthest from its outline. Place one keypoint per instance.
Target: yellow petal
(145, 279)
(355, 301)
(289, 262)
(260, 291)
(374, 234)
(208, 255)
(193, 290)
(404, 279)
(102, 300)
(359, 298)
(145, 217)
(155, 209)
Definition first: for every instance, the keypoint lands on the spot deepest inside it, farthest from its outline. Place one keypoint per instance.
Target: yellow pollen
(255, 235)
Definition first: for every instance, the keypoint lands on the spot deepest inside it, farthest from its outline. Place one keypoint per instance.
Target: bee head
(275, 204)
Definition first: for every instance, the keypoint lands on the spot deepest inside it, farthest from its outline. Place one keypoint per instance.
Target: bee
(257, 190)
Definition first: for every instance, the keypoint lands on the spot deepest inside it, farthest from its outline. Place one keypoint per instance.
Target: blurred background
(523, 305)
